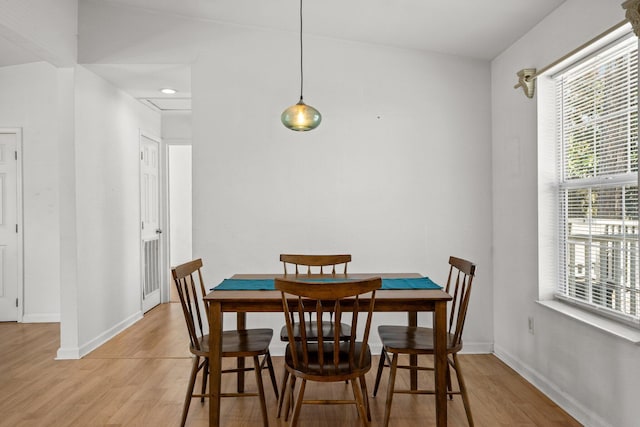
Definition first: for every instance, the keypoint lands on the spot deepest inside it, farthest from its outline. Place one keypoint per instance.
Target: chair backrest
(319, 298)
(461, 274)
(185, 277)
(321, 261)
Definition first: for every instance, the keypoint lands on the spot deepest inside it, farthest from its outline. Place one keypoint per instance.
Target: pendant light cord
(301, 72)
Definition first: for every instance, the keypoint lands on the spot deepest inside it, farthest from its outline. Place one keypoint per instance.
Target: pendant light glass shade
(301, 117)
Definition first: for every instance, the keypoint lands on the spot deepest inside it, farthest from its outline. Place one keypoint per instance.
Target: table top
(386, 299)
(320, 276)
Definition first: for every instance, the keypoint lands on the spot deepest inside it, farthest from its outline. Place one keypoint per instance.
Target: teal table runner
(268, 284)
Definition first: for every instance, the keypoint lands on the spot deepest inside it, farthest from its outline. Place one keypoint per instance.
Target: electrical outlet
(531, 325)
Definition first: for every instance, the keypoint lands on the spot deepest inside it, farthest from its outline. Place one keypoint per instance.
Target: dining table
(266, 300)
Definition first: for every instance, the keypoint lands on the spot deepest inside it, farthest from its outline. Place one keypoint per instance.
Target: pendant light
(301, 117)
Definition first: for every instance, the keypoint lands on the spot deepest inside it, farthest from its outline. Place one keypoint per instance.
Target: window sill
(605, 325)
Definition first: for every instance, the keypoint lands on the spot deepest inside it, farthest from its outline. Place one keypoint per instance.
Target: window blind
(597, 141)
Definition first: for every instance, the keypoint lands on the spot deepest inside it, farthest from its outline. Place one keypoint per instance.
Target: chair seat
(312, 331)
(313, 370)
(240, 343)
(412, 340)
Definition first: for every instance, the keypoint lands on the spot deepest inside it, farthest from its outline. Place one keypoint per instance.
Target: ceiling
(471, 28)
(11, 54)
(144, 81)
(144, 45)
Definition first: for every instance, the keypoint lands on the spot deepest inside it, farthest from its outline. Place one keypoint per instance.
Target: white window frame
(550, 241)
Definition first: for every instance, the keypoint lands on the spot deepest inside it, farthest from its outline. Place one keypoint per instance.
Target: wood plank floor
(139, 378)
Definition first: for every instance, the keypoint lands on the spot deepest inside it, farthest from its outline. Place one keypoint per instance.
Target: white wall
(30, 100)
(176, 127)
(98, 256)
(591, 374)
(107, 127)
(180, 204)
(68, 230)
(398, 173)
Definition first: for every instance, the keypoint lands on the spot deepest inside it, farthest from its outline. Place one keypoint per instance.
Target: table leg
(215, 362)
(413, 358)
(440, 360)
(241, 324)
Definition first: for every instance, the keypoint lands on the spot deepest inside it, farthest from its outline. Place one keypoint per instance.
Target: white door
(9, 225)
(150, 222)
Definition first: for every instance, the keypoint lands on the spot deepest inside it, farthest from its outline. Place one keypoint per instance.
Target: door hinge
(16, 154)
(16, 302)
(16, 228)
(141, 155)
(143, 225)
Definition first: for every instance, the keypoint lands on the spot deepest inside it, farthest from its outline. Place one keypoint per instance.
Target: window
(597, 142)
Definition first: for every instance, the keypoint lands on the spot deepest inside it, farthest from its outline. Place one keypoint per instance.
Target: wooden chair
(309, 261)
(398, 340)
(321, 261)
(306, 265)
(321, 360)
(240, 343)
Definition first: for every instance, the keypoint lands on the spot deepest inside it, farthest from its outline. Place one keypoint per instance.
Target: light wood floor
(140, 377)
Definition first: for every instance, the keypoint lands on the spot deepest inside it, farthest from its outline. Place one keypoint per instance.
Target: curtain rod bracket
(527, 76)
(527, 81)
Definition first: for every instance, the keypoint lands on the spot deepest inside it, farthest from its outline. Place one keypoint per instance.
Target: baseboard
(585, 416)
(477, 348)
(68, 353)
(41, 318)
(79, 352)
(110, 333)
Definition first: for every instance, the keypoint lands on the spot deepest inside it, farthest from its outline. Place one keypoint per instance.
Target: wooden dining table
(410, 301)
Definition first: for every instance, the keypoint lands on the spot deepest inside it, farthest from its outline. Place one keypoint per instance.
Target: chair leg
(383, 356)
(205, 377)
(300, 398)
(192, 383)
(263, 404)
(290, 401)
(283, 389)
(463, 390)
(449, 386)
(365, 394)
(362, 410)
(390, 388)
(272, 374)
